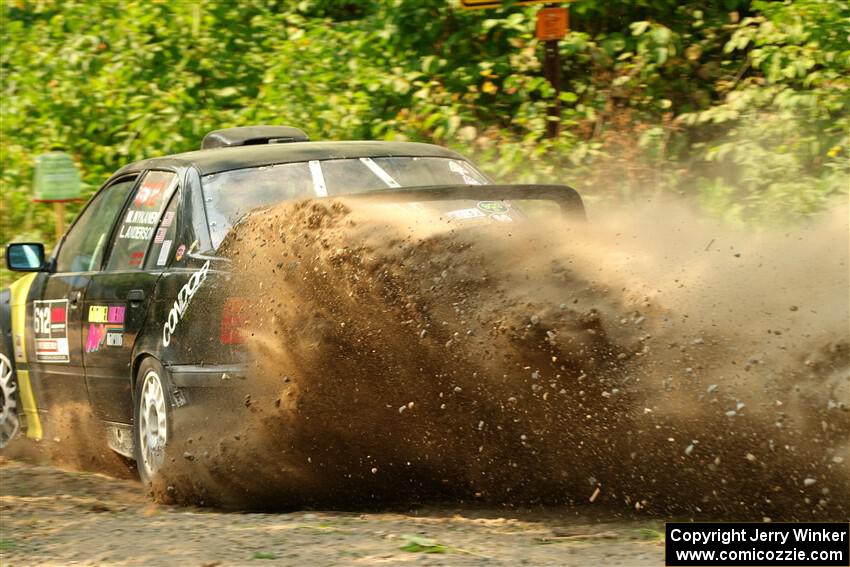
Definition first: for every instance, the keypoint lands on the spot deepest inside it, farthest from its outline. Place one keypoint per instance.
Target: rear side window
(137, 228)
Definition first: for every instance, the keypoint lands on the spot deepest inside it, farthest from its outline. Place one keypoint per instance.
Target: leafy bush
(742, 105)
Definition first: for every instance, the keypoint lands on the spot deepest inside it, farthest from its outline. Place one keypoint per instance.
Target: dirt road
(52, 516)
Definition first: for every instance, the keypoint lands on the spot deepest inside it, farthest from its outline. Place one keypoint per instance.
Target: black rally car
(109, 319)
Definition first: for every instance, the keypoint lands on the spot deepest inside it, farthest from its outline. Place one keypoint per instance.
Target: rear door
(55, 316)
(117, 298)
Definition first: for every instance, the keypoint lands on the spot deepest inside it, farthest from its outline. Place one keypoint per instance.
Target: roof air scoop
(252, 136)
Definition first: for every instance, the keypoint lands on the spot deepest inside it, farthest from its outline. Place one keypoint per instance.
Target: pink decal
(97, 333)
(116, 314)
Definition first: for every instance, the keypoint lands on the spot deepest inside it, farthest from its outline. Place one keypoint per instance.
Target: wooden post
(59, 216)
(552, 26)
(552, 66)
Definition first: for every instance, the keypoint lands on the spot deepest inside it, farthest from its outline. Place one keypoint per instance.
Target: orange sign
(480, 4)
(552, 23)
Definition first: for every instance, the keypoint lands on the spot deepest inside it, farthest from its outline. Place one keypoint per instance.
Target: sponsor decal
(163, 253)
(154, 186)
(461, 169)
(105, 321)
(141, 217)
(319, 186)
(149, 193)
(464, 214)
(116, 314)
(181, 304)
(95, 337)
(139, 222)
(180, 251)
(100, 334)
(167, 219)
(137, 225)
(493, 206)
(160, 236)
(58, 315)
(379, 172)
(50, 330)
(136, 258)
(133, 232)
(98, 313)
(502, 218)
(107, 314)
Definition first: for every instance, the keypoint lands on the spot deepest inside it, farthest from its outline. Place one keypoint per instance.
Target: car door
(117, 298)
(55, 314)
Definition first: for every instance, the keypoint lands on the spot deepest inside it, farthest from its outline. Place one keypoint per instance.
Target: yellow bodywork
(20, 290)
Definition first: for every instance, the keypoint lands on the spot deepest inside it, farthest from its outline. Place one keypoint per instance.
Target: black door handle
(135, 297)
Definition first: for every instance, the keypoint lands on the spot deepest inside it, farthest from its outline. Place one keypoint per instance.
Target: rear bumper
(192, 376)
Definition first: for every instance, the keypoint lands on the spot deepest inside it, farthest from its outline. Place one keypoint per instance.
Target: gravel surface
(51, 516)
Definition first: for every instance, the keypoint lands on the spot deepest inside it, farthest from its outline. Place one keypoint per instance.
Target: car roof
(226, 159)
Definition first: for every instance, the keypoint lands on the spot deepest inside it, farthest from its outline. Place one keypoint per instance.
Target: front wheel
(9, 422)
(152, 418)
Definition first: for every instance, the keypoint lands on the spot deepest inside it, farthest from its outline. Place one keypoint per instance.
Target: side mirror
(25, 257)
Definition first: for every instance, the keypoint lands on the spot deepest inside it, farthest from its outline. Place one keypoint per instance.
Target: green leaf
(638, 28)
(417, 544)
(226, 92)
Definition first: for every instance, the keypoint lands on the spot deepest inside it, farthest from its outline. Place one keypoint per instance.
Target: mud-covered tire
(152, 418)
(9, 420)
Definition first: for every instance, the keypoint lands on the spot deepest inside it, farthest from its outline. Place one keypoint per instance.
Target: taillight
(234, 318)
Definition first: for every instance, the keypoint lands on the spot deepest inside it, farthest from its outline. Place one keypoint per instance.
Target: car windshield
(230, 194)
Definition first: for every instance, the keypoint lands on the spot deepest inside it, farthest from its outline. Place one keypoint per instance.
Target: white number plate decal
(50, 326)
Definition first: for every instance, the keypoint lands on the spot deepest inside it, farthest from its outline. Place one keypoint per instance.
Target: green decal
(493, 206)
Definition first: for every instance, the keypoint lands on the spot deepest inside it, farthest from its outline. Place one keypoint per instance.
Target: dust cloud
(650, 361)
(74, 439)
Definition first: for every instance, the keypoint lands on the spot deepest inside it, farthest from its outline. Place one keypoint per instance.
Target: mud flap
(119, 438)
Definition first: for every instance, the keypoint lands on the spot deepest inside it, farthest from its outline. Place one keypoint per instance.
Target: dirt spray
(649, 360)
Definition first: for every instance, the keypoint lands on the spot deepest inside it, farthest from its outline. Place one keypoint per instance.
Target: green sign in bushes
(56, 178)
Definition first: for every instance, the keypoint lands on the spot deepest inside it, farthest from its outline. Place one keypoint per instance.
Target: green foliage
(418, 544)
(741, 105)
(651, 534)
(784, 122)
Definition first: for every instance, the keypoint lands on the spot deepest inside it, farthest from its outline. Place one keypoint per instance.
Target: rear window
(230, 194)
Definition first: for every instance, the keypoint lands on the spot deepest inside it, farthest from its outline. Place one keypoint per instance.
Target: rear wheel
(152, 423)
(9, 423)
